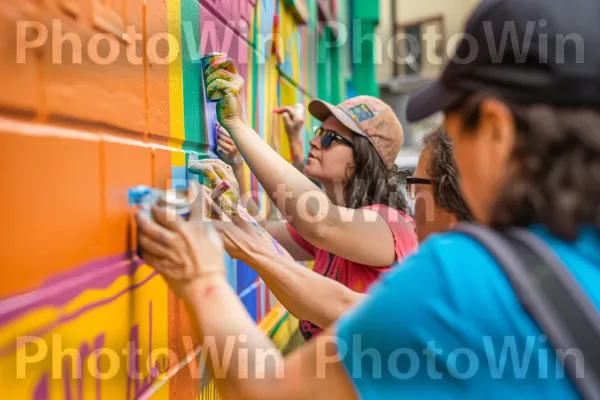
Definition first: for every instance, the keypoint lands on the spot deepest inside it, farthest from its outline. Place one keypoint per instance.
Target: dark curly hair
(370, 182)
(556, 178)
(444, 175)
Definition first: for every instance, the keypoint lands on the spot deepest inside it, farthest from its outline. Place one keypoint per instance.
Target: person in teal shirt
(448, 326)
(521, 100)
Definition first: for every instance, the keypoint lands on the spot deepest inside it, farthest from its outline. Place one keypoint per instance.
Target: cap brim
(322, 110)
(430, 99)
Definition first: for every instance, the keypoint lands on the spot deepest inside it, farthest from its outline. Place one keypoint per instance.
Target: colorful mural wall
(96, 97)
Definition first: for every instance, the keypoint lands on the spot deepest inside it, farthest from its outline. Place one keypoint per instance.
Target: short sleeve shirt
(355, 276)
(448, 325)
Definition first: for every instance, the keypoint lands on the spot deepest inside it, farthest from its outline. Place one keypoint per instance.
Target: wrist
(247, 254)
(233, 124)
(201, 286)
(260, 256)
(296, 148)
(238, 167)
(295, 141)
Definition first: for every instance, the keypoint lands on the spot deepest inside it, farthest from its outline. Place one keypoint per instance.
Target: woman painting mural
(526, 139)
(352, 228)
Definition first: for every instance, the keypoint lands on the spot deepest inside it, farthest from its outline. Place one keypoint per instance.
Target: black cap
(524, 51)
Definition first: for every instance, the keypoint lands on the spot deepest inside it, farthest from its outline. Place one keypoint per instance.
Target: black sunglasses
(327, 137)
(411, 181)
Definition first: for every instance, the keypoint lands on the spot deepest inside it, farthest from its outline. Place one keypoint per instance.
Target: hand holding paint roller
(216, 171)
(174, 202)
(224, 184)
(183, 251)
(223, 85)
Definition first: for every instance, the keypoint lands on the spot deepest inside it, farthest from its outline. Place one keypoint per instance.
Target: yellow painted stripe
(175, 80)
(177, 158)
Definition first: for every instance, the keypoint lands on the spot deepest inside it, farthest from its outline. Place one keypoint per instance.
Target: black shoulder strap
(552, 297)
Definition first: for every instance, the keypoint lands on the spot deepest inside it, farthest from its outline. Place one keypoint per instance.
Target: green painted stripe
(193, 102)
(278, 325)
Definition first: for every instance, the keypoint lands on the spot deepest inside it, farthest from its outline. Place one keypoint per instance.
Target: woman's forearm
(364, 237)
(304, 293)
(242, 360)
(297, 154)
(286, 186)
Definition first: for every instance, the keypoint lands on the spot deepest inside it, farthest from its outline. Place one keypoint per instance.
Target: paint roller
(177, 200)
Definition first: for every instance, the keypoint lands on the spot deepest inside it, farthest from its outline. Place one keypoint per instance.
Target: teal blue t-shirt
(446, 324)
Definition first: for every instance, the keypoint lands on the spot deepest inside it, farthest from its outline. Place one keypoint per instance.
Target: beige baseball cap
(367, 116)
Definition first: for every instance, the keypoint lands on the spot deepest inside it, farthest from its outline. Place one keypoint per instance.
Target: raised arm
(306, 294)
(361, 236)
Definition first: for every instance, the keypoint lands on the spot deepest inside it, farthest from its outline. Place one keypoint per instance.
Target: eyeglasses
(327, 137)
(411, 190)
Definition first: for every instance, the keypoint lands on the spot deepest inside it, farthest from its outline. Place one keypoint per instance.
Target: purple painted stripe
(88, 267)
(63, 288)
(69, 317)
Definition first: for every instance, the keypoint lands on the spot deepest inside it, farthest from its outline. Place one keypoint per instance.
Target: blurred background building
(417, 37)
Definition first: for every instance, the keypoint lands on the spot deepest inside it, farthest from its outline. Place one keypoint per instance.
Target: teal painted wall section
(366, 18)
(195, 129)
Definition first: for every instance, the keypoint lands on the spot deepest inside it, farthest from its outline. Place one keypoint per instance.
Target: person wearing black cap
(447, 323)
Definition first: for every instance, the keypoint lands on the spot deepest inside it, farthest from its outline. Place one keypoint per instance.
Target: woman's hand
(222, 80)
(183, 252)
(227, 149)
(216, 171)
(239, 244)
(293, 120)
(244, 239)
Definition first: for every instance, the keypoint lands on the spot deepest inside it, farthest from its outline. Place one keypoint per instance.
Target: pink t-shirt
(359, 277)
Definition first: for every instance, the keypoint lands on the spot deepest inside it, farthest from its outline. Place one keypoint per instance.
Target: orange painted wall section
(81, 317)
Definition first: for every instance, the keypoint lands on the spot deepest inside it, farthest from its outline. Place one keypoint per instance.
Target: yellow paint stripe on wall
(42, 317)
(249, 85)
(178, 158)
(288, 98)
(176, 82)
(145, 306)
(288, 28)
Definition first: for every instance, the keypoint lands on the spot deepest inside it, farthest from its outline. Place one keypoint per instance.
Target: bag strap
(552, 297)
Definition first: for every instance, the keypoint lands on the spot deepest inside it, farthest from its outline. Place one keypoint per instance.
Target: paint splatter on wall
(114, 102)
